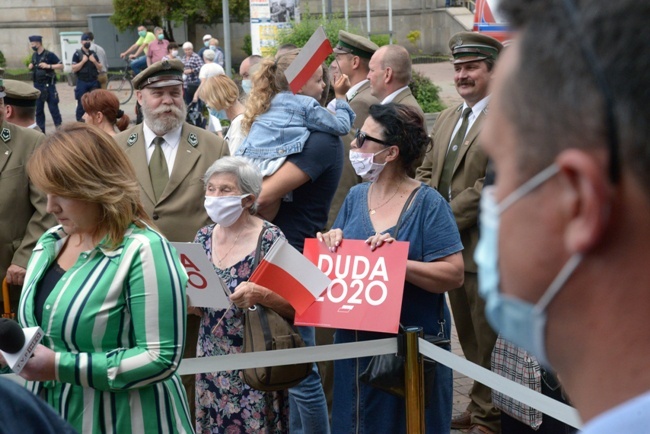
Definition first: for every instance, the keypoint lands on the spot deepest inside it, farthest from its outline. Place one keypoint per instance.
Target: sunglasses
(361, 138)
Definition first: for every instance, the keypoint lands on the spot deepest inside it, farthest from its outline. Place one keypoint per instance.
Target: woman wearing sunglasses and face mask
(393, 138)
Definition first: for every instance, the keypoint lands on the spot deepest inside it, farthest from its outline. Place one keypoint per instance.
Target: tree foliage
(132, 13)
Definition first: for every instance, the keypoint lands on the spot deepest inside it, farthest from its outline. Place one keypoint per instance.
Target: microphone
(17, 344)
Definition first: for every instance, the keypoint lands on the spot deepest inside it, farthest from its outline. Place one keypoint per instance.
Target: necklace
(372, 211)
(231, 247)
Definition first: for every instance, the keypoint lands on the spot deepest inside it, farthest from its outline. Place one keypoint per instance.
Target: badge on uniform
(5, 135)
(132, 139)
(193, 140)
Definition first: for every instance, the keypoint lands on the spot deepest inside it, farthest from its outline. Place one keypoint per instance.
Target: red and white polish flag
(311, 57)
(285, 271)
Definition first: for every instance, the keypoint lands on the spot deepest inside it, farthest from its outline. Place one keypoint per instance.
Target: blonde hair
(268, 81)
(82, 162)
(219, 92)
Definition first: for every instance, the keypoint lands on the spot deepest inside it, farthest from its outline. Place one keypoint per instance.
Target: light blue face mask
(518, 321)
(246, 85)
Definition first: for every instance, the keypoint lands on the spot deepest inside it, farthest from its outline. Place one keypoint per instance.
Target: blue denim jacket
(284, 128)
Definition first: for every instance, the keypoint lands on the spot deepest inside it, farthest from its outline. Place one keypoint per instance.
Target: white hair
(188, 45)
(206, 37)
(209, 55)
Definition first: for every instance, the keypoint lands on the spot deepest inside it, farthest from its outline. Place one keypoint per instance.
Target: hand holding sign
(367, 284)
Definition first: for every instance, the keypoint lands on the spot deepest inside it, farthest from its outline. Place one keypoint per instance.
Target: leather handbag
(386, 371)
(266, 330)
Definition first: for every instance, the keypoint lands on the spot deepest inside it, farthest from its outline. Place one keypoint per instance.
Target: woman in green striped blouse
(108, 291)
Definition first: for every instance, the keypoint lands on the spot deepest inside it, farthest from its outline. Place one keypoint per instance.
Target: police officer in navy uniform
(86, 65)
(44, 65)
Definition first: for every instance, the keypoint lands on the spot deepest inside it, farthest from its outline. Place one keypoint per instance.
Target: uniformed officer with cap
(23, 217)
(185, 152)
(20, 103)
(44, 65)
(353, 53)
(456, 167)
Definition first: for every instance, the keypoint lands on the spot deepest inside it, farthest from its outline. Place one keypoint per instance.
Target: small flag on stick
(285, 271)
(311, 57)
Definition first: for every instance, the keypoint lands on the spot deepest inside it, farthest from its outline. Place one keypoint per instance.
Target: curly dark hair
(403, 127)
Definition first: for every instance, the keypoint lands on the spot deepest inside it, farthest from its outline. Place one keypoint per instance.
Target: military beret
(2, 86)
(20, 94)
(160, 74)
(471, 46)
(36, 38)
(349, 43)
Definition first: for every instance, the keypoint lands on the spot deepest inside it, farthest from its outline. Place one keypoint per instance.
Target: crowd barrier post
(413, 381)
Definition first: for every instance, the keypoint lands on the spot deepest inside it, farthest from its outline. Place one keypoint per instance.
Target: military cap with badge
(471, 46)
(349, 43)
(160, 74)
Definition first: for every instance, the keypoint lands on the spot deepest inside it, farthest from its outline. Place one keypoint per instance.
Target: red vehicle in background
(487, 20)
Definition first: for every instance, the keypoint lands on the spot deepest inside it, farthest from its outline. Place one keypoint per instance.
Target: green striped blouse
(116, 320)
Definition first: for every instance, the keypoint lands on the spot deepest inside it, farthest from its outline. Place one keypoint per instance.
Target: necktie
(444, 186)
(158, 168)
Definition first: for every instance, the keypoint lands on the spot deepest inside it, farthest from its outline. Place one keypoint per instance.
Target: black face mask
(35, 48)
(86, 45)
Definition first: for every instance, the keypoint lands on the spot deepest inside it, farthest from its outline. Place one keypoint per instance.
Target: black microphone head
(12, 337)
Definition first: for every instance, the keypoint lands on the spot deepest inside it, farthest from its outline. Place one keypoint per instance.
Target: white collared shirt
(628, 417)
(392, 96)
(476, 111)
(353, 90)
(169, 148)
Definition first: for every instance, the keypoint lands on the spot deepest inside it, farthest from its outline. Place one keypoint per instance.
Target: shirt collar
(392, 96)
(354, 89)
(172, 138)
(479, 106)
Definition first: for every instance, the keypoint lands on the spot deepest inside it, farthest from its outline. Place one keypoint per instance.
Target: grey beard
(162, 126)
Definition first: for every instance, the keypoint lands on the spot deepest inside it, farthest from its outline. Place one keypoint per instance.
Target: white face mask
(175, 53)
(365, 166)
(224, 210)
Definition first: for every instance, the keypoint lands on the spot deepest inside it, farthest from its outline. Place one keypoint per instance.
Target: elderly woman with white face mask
(232, 186)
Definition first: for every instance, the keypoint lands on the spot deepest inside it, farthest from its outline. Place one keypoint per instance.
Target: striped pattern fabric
(116, 321)
(514, 363)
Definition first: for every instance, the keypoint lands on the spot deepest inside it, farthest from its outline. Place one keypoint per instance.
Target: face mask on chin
(518, 321)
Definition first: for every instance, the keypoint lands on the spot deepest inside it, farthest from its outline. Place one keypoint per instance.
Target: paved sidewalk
(440, 73)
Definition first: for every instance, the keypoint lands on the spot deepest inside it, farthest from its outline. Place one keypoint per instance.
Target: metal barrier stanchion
(413, 381)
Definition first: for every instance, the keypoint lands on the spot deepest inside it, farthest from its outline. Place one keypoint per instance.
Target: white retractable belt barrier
(546, 405)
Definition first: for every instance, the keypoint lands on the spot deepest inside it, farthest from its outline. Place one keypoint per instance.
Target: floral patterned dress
(224, 403)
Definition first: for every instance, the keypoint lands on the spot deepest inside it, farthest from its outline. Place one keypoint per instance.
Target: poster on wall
(268, 17)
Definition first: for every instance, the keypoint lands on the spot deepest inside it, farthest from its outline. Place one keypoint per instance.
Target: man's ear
(138, 95)
(9, 111)
(388, 74)
(586, 199)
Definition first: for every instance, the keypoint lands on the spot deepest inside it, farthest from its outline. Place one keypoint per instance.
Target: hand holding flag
(285, 271)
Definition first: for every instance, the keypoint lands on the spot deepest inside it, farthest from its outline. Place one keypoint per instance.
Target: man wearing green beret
(23, 216)
(20, 104)
(170, 157)
(456, 167)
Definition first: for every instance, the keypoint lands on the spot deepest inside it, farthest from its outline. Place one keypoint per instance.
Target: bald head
(390, 70)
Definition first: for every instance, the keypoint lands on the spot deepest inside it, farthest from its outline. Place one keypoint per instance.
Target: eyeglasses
(361, 138)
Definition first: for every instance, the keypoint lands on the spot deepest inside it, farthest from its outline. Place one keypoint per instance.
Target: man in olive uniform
(456, 167)
(44, 65)
(20, 104)
(353, 53)
(22, 207)
(174, 198)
